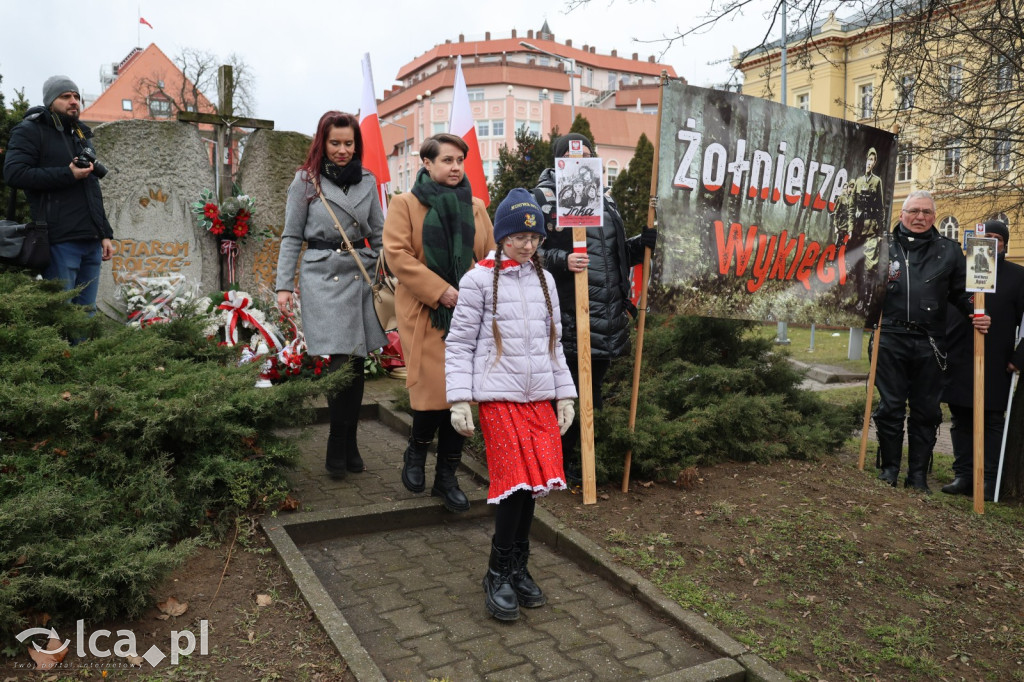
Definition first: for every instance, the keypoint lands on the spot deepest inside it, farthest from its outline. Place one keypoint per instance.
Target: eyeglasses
(919, 211)
(521, 240)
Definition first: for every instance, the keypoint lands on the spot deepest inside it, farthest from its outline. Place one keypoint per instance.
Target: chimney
(586, 48)
(513, 33)
(462, 38)
(568, 43)
(651, 59)
(529, 34)
(615, 53)
(593, 50)
(487, 35)
(635, 56)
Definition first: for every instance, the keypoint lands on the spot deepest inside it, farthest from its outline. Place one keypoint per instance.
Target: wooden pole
(979, 409)
(645, 276)
(870, 397)
(585, 372)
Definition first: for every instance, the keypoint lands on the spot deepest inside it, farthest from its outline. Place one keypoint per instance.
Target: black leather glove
(648, 238)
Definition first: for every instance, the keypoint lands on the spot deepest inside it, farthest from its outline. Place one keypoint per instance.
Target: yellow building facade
(838, 71)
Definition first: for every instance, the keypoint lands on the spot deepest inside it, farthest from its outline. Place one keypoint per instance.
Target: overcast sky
(305, 54)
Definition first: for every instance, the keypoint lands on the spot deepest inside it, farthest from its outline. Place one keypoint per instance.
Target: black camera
(85, 157)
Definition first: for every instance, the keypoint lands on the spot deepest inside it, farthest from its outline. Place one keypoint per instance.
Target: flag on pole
(461, 124)
(375, 158)
(143, 21)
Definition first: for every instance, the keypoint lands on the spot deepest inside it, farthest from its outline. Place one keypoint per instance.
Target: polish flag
(375, 159)
(461, 124)
(143, 21)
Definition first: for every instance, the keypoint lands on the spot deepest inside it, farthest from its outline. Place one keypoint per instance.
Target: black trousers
(426, 423)
(961, 432)
(908, 373)
(598, 370)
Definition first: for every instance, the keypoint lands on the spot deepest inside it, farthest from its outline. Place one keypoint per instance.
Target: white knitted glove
(566, 414)
(462, 419)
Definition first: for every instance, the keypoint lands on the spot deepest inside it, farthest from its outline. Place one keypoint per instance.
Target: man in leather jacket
(926, 270)
(66, 196)
(607, 262)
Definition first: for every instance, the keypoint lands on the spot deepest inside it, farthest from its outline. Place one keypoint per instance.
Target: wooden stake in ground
(979, 408)
(645, 276)
(584, 370)
(870, 396)
(223, 121)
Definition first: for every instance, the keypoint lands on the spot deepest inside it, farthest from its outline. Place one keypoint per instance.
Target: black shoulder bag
(24, 245)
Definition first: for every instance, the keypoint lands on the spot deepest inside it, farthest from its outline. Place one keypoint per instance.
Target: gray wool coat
(337, 303)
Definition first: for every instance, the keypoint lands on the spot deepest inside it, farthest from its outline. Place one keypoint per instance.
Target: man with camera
(50, 156)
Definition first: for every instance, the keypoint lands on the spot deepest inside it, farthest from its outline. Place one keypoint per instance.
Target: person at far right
(1005, 307)
(926, 272)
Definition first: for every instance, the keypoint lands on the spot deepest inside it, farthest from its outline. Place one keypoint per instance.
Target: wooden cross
(223, 121)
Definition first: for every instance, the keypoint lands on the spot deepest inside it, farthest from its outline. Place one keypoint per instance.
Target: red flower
(211, 211)
(241, 229)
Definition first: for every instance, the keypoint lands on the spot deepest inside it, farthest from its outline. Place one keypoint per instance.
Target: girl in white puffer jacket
(504, 351)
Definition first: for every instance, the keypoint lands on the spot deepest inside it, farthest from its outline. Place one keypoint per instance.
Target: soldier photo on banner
(579, 195)
(981, 263)
(769, 212)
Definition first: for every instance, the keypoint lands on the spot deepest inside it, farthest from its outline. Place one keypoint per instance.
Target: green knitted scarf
(448, 234)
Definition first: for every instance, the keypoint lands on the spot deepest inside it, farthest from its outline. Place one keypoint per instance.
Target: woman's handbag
(27, 246)
(382, 287)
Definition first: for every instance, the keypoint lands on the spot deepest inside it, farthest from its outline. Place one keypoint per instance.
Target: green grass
(828, 349)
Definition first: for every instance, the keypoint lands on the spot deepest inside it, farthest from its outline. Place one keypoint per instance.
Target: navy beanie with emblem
(518, 212)
(55, 86)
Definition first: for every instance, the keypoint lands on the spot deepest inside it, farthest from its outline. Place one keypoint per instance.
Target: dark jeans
(961, 432)
(598, 370)
(426, 423)
(77, 263)
(907, 373)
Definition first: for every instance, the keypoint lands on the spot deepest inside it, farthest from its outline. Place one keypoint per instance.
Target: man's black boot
(446, 485)
(527, 591)
(961, 485)
(499, 595)
(413, 461)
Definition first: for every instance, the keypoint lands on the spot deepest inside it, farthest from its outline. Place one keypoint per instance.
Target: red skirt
(524, 448)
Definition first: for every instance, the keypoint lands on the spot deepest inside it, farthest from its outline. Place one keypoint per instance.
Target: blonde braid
(547, 299)
(494, 303)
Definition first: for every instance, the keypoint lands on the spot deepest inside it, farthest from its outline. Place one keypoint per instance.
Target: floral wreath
(227, 220)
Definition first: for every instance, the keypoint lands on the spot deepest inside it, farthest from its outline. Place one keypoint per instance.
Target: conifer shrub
(114, 451)
(711, 391)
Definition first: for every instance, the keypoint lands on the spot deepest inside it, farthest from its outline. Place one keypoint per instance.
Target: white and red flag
(461, 124)
(375, 158)
(143, 21)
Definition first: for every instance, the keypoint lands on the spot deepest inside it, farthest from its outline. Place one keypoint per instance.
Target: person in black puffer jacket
(40, 159)
(607, 261)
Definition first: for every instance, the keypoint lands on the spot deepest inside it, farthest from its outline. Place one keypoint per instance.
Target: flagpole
(645, 276)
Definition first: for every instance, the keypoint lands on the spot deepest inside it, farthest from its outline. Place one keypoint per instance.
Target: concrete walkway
(395, 581)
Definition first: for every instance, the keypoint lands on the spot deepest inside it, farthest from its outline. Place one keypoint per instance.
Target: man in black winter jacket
(1005, 307)
(926, 270)
(607, 260)
(41, 159)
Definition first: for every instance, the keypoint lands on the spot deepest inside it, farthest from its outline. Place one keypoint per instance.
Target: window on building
(498, 128)
(904, 162)
(558, 97)
(589, 77)
(612, 171)
(534, 128)
(953, 152)
(159, 107)
(126, 105)
(475, 94)
(867, 100)
(803, 101)
(955, 80)
(1004, 73)
(613, 79)
(1001, 152)
(949, 227)
(544, 60)
(907, 92)
(543, 94)
(438, 127)
(483, 128)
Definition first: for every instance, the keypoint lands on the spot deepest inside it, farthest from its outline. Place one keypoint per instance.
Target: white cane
(1006, 429)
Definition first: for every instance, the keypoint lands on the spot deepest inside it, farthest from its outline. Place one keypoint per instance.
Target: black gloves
(649, 238)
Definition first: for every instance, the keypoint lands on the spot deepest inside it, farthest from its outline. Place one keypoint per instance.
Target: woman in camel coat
(432, 236)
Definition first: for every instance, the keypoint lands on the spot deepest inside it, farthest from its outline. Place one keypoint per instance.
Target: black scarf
(449, 231)
(343, 176)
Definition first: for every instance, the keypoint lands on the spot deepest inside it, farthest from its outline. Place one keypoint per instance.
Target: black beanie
(561, 145)
(998, 227)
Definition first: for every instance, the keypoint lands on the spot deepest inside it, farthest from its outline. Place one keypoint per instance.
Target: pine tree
(582, 126)
(632, 188)
(8, 119)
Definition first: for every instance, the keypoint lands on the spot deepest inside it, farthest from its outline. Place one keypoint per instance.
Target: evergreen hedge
(711, 391)
(115, 450)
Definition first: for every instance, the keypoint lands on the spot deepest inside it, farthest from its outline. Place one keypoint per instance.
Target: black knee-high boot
(344, 406)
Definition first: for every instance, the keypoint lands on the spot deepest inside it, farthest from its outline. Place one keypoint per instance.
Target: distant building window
(438, 127)
(951, 165)
(483, 128)
(613, 172)
(949, 227)
(543, 95)
(904, 162)
(590, 77)
(545, 60)
(534, 128)
(907, 92)
(1001, 152)
(955, 84)
(475, 94)
(1004, 73)
(867, 100)
(803, 101)
(159, 107)
(613, 79)
(498, 128)
(558, 98)
(126, 105)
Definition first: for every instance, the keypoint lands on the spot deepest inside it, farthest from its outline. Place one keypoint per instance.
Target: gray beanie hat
(55, 86)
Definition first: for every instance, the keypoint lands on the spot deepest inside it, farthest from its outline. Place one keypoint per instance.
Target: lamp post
(405, 143)
(569, 62)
